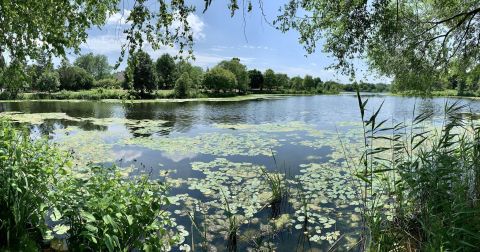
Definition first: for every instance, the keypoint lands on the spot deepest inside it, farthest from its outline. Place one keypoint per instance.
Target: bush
(27, 171)
(182, 86)
(49, 81)
(110, 212)
(220, 79)
(100, 210)
(75, 78)
(111, 83)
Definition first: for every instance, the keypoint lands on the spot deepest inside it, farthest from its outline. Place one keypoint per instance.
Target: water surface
(212, 152)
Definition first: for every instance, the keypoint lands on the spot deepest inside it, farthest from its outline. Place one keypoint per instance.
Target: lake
(219, 157)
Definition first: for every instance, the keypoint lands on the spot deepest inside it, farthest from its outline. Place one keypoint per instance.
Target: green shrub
(219, 79)
(49, 81)
(107, 211)
(110, 83)
(75, 78)
(182, 86)
(98, 210)
(27, 171)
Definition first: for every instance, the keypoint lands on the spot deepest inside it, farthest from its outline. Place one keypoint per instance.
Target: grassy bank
(121, 94)
(436, 93)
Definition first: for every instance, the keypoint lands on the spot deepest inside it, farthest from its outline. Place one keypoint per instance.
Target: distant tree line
(143, 76)
(366, 87)
(457, 78)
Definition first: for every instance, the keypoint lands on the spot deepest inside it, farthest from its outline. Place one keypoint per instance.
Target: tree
(139, 72)
(31, 27)
(35, 71)
(219, 79)
(182, 86)
(165, 71)
(95, 65)
(49, 81)
(239, 70)
(308, 82)
(401, 39)
(256, 79)
(318, 83)
(269, 79)
(194, 72)
(15, 78)
(296, 83)
(74, 78)
(282, 80)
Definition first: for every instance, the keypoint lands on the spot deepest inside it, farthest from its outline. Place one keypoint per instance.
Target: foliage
(14, 79)
(74, 78)
(395, 36)
(269, 79)
(240, 72)
(139, 72)
(49, 81)
(432, 179)
(256, 79)
(108, 212)
(27, 170)
(182, 86)
(296, 83)
(96, 65)
(194, 72)
(97, 208)
(366, 87)
(282, 80)
(111, 83)
(92, 94)
(308, 82)
(219, 79)
(62, 25)
(165, 71)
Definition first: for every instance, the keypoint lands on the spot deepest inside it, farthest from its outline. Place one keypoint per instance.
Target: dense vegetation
(143, 77)
(39, 184)
(431, 178)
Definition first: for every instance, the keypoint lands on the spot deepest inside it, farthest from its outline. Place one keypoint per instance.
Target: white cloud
(197, 26)
(257, 47)
(104, 44)
(119, 18)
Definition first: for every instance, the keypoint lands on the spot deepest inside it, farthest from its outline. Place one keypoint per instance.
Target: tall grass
(420, 184)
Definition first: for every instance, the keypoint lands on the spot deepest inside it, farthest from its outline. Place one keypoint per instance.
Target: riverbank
(448, 93)
(248, 97)
(159, 95)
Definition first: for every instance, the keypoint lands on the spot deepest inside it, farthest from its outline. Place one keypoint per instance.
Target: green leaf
(87, 216)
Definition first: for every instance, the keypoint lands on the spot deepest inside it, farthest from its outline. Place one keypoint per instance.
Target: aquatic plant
(108, 212)
(428, 180)
(27, 170)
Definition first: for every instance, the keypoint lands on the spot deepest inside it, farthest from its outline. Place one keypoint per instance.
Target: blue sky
(219, 37)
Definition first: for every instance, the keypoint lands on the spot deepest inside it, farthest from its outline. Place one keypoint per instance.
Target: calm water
(204, 146)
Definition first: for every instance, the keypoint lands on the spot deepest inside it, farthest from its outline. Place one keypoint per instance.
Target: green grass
(93, 94)
(121, 94)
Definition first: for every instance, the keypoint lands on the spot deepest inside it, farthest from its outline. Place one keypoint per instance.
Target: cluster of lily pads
(324, 196)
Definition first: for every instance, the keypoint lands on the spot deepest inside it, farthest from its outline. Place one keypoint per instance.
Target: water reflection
(179, 121)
